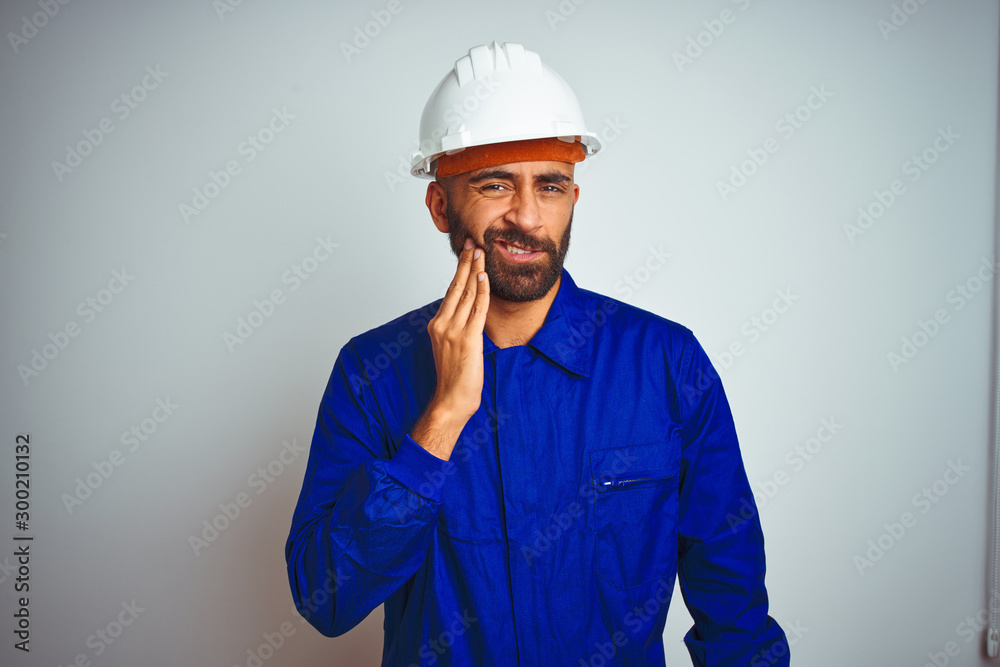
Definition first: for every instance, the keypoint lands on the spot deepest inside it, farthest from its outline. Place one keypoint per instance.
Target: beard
(519, 282)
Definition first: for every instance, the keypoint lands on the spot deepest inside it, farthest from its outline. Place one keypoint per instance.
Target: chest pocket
(635, 498)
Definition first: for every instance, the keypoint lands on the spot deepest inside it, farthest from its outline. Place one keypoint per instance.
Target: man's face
(527, 205)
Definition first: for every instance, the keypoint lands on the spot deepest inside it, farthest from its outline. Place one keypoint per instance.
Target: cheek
(482, 217)
(557, 214)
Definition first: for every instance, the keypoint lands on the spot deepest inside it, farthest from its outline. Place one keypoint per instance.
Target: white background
(673, 130)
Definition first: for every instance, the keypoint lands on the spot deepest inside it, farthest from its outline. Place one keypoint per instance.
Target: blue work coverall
(602, 463)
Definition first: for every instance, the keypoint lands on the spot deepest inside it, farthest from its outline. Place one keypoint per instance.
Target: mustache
(513, 237)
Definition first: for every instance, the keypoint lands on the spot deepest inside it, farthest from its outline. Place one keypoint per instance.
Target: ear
(437, 202)
(576, 193)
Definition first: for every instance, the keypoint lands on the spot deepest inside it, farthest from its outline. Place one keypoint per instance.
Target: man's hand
(456, 333)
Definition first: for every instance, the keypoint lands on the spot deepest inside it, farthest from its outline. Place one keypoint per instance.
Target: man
(519, 470)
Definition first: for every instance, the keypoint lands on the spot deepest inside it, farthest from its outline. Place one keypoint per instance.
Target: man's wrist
(418, 470)
(438, 429)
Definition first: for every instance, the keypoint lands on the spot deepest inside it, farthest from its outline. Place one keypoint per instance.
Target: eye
(494, 187)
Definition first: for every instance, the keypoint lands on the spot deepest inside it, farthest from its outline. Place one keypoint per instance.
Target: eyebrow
(500, 174)
(552, 177)
(490, 175)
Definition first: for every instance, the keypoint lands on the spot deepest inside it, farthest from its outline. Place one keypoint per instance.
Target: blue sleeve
(364, 519)
(720, 542)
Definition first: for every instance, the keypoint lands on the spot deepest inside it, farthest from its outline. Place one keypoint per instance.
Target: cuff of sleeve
(768, 648)
(418, 470)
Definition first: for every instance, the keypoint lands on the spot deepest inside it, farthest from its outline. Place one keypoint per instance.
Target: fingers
(455, 340)
(477, 318)
(470, 292)
(451, 298)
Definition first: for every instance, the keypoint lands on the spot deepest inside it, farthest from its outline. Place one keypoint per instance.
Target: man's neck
(510, 323)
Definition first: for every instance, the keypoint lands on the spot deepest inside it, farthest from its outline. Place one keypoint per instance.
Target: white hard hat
(498, 93)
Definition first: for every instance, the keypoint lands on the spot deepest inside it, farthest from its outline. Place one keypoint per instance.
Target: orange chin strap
(528, 150)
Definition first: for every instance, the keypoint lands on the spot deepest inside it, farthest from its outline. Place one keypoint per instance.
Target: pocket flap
(657, 459)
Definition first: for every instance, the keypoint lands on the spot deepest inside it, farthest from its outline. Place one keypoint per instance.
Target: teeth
(517, 251)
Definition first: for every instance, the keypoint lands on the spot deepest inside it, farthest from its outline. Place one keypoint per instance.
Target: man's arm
(364, 521)
(456, 334)
(721, 546)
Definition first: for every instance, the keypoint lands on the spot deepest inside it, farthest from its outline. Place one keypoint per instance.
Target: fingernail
(476, 254)
(468, 243)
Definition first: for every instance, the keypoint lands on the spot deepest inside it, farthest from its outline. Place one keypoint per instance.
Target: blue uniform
(602, 463)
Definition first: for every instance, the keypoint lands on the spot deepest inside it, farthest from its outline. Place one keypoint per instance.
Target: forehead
(521, 170)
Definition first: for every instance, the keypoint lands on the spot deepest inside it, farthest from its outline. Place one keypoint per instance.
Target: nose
(524, 211)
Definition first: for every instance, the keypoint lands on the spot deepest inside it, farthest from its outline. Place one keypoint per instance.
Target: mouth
(516, 253)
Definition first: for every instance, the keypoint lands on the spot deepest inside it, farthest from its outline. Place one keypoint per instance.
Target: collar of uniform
(559, 337)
